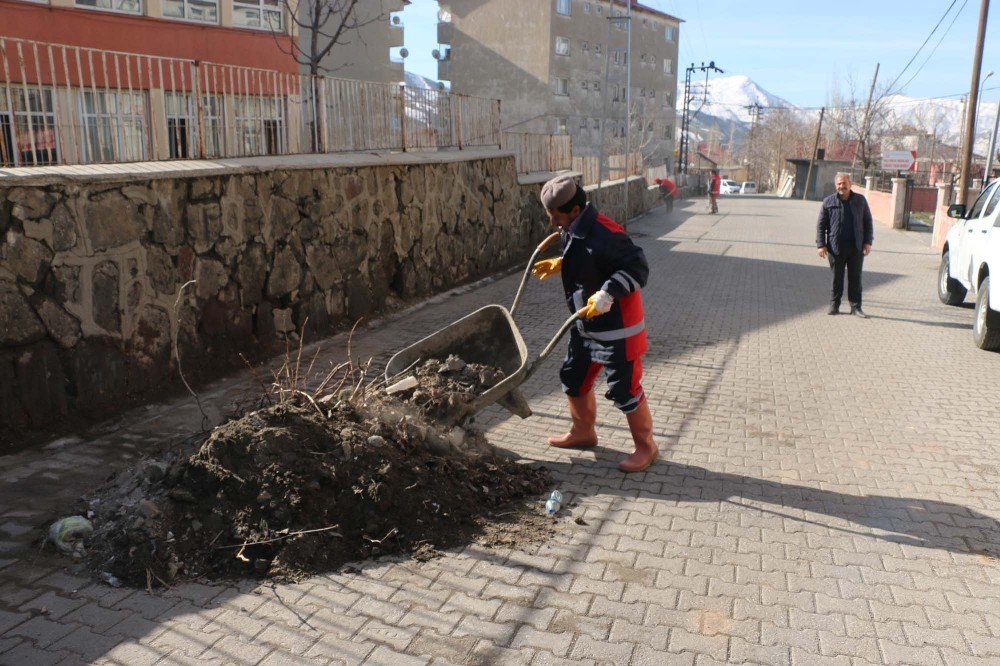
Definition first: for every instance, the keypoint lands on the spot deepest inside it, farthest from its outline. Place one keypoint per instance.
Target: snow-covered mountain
(942, 117)
(725, 112)
(729, 97)
(414, 80)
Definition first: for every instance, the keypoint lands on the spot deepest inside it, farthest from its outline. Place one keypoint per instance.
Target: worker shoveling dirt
(318, 480)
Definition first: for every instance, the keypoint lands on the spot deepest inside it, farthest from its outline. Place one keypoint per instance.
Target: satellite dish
(403, 52)
(436, 54)
(395, 20)
(440, 86)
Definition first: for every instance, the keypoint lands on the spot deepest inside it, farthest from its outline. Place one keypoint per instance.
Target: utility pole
(993, 148)
(970, 116)
(628, 106)
(682, 159)
(812, 158)
(867, 117)
(755, 110)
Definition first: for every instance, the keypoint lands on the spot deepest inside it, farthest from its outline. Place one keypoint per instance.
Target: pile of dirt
(446, 387)
(308, 485)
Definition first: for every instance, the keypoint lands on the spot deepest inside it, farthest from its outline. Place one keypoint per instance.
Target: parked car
(729, 187)
(971, 257)
(748, 187)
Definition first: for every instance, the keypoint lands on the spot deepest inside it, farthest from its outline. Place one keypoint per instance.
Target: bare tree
(779, 134)
(647, 131)
(326, 23)
(859, 121)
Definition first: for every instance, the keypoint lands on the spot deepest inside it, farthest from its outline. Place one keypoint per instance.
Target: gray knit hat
(558, 192)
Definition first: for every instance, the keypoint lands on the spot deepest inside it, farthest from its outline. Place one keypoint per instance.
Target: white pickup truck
(971, 257)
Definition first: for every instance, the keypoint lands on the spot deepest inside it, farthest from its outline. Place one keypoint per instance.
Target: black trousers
(852, 259)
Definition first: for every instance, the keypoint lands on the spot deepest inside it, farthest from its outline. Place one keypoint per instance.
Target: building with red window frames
(119, 80)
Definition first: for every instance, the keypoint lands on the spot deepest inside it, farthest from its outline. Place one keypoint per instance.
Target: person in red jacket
(668, 191)
(714, 186)
(603, 270)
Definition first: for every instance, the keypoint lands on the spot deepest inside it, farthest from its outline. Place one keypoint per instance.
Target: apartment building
(560, 66)
(369, 51)
(129, 80)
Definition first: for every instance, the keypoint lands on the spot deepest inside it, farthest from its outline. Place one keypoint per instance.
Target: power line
(931, 54)
(917, 52)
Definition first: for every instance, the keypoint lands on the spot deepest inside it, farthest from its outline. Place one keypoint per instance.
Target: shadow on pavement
(906, 521)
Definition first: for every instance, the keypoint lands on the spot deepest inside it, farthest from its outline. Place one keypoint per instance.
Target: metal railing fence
(539, 152)
(64, 104)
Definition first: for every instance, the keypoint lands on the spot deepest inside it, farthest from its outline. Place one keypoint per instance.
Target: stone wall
(90, 271)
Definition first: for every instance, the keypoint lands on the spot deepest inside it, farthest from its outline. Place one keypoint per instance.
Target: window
(561, 126)
(584, 45)
(977, 207)
(126, 6)
(586, 8)
(583, 85)
(670, 33)
(260, 125)
(595, 124)
(642, 92)
(561, 86)
(258, 14)
(652, 94)
(597, 8)
(562, 46)
(205, 11)
(992, 206)
(114, 126)
(562, 6)
(597, 49)
(668, 66)
(583, 123)
(670, 99)
(668, 132)
(597, 86)
(182, 125)
(33, 128)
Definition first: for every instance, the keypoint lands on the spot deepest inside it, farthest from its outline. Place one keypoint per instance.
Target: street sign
(899, 160)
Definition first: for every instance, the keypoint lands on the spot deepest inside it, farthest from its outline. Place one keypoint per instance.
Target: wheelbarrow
(488, 336)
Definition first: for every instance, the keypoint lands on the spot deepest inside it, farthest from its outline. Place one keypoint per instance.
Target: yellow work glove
(598, 304)
(546, 268)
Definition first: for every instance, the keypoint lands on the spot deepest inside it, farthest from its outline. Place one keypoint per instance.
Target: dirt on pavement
(314, 482)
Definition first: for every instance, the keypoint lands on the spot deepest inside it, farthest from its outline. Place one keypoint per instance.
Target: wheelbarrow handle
(544, 245)
(579, 314)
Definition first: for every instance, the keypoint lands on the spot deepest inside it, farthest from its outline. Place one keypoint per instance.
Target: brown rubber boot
(640, 422)
(583, 410)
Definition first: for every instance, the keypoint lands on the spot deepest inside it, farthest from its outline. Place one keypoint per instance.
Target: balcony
(444, 70)
(445, 32)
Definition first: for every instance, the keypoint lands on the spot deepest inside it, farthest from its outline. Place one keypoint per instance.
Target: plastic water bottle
(553, 503)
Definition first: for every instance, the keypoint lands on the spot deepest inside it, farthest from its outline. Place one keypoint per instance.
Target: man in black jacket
(844, 236)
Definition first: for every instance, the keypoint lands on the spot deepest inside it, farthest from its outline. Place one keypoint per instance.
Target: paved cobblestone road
(828, 492)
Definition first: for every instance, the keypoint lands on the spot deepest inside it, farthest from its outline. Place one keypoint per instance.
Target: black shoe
(834, 309)
(858, 312)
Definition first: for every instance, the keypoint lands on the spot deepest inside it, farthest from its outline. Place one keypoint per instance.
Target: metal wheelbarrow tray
(488, 336)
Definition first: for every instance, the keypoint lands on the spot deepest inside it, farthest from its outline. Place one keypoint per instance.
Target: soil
(307, 485)
(446, 386)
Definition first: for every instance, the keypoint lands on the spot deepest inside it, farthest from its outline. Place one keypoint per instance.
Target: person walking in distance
(844, 236)
(603, 270)
(714, 185)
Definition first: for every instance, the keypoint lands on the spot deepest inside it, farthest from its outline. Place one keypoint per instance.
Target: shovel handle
(544, 245)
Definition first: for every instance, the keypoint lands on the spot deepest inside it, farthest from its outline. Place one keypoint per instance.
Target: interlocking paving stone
(827, 493)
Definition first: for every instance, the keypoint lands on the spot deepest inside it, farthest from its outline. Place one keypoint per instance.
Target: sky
(801, 50)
